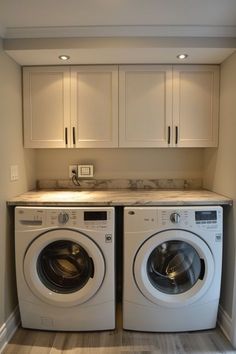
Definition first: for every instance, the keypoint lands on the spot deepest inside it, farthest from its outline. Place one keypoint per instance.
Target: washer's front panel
(65, 267)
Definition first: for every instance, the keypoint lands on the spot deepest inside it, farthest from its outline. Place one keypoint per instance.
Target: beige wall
(11, 153)
(220, 176)
(122, 163)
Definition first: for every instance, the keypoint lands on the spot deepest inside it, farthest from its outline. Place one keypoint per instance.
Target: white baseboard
(9, 327)
(225, 323)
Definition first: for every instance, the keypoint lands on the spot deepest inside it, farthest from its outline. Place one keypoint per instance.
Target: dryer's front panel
(64, 267)
(173, 267)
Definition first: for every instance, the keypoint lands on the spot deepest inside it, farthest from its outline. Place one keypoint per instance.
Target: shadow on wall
(228, 270)
(10, 294)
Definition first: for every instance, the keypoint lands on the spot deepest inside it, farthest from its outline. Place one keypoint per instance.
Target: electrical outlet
(72, 168)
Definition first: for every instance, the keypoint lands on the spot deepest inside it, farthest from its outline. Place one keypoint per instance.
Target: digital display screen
(95, 215)
(205, 215)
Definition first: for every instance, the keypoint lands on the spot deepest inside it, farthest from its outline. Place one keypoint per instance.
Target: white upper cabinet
(46, 99)
(175, 106)
(94, 106)
(145, 105)
(159, 106)
(195, 105)
(70, 106)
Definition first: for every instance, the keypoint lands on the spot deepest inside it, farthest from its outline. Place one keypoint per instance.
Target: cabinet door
(46, 92)
(94, 106)
(145, 105)
(195, 105)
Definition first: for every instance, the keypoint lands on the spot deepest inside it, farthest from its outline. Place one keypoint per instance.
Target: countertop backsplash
(102, 184)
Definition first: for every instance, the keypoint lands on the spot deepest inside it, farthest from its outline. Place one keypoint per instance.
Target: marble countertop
(119, 197)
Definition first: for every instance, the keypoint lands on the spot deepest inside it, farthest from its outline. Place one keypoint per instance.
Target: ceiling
(118, 31)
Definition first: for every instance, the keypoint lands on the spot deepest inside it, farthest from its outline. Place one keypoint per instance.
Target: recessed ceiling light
(64, 57)
(182, 56)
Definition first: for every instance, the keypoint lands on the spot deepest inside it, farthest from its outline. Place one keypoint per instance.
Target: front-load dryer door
(64, 267)
(173, 268)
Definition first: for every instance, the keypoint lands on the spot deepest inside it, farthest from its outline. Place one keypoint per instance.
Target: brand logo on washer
(108, 238)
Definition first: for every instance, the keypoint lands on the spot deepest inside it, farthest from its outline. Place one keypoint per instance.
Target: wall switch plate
(85, 171)
(14, 173)
(72, 168)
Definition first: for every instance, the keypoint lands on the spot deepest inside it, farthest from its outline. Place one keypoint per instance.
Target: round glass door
(173, 268)
(64, 266)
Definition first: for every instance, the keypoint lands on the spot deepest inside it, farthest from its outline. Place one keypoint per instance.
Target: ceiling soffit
(119, 44)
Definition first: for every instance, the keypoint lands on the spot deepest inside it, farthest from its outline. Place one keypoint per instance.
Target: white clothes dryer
(65, 267)
(172, 268)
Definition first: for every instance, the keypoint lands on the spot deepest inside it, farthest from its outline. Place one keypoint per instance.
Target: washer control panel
(98, 218)
(86, 218)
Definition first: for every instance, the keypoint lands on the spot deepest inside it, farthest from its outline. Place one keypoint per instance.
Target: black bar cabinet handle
(66, 136)
(176, 135)
(168, 135)
(73, 133)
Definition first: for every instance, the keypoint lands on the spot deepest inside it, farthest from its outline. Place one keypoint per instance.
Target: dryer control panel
(204, 218)
(194, 218)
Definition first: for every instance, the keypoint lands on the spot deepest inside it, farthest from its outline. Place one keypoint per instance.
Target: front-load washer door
(173, 268)
(64, 267)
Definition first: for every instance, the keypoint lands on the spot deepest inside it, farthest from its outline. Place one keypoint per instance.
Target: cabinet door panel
(145, 98)
(95, 106)
(46, 106)
(195, 109)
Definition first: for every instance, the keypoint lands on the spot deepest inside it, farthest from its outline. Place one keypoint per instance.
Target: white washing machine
(65, 267)
(172, 268)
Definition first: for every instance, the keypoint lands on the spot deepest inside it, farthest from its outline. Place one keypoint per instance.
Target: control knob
(63, 218)
(175, 218)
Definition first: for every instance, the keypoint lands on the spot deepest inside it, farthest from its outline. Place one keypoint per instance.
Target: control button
(175, 218)
(63, 218)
